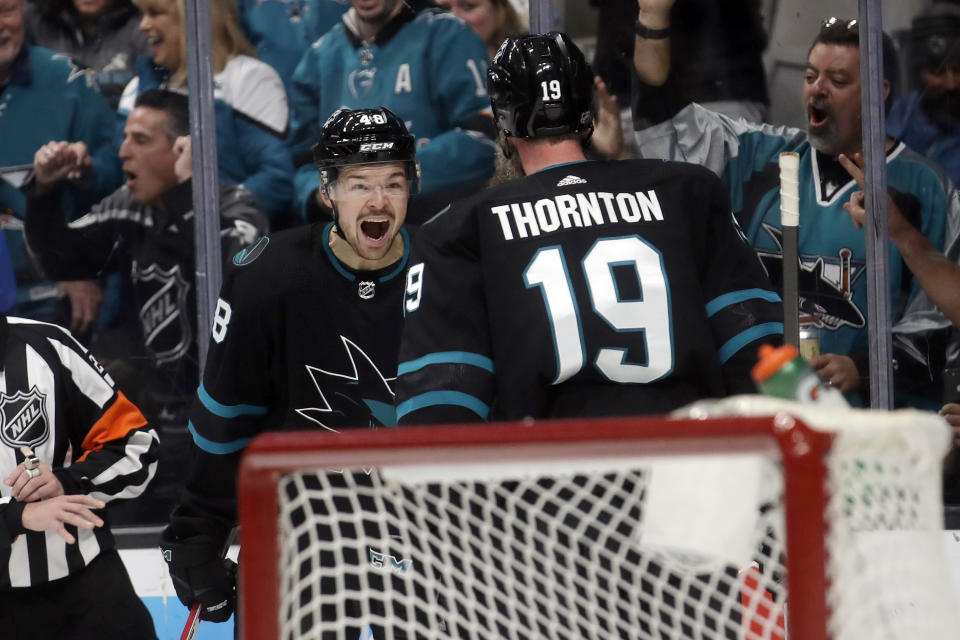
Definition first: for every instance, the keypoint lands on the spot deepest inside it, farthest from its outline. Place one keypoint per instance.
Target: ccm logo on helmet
(375, 146)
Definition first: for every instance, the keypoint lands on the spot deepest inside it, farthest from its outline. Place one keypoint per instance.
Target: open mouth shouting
(375, 230)
(819, 114)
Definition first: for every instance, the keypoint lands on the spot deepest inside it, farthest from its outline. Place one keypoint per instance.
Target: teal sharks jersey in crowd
(832, 261)
(426, 66)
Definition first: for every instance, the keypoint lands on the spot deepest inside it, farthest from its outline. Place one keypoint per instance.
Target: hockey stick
(193, 618)
(789, 221)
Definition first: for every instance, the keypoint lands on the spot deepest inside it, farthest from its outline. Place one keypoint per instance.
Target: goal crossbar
(801, 450)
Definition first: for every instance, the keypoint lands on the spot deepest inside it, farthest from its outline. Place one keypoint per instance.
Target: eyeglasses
(359, 189)
(838, 24)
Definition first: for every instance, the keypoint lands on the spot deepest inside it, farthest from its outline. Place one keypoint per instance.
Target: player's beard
(943, 109)
(506, 169)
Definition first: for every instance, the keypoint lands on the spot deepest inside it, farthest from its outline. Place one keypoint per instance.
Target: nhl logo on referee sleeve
(23, 418)
(366, 289)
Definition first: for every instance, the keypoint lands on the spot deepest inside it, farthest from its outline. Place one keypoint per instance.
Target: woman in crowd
(102, 34)
(250, 101)
(492, 20)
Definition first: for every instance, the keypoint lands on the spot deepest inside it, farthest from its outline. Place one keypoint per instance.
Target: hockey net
(691, 527)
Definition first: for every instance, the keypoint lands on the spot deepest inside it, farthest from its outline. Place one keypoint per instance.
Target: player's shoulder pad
(453, 226)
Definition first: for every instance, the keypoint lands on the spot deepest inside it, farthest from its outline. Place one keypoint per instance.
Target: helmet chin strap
(336, 220)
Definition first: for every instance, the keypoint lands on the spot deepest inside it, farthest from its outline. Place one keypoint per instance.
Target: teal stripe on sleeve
(217, 448)
(735, 297)
(446, 357)
(228, 410)
(434, 398)
(744, 338)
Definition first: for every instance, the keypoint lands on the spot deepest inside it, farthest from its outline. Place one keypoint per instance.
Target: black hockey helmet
(541, 85)
(364, 136)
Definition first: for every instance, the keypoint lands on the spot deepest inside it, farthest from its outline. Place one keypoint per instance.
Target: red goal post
(437, 568)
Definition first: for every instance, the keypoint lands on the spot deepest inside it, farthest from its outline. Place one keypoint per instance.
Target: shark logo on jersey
(166, 326)
(826, 284)
(23, 418)
(77, 70)
(360, 82)
(361, 397)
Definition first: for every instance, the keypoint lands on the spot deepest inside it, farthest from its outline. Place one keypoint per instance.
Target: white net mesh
(572, 550)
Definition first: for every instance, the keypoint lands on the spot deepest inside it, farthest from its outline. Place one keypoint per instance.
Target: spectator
(832, 278)
(492, 20)
(634, 290)
(146, 226)
(613, 56)
(420, 62)
(928, 118)
(46, 96)
(315, 310)
(250, 102)
(701, 51)
(282, 30)
(85, 445)
(102, 34)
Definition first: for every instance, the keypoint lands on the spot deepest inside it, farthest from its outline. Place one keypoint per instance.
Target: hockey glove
(200, 575)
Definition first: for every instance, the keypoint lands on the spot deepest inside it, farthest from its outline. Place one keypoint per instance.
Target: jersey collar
(381, 275)
(385, 34)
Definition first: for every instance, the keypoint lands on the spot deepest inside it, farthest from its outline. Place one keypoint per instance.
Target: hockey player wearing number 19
(582, 288)
(305, 336)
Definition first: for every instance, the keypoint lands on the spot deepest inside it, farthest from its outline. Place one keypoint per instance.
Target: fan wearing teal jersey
(832, 249)
(425, 65)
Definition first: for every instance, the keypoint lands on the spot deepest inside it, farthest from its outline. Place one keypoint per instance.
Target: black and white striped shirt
(56, 398)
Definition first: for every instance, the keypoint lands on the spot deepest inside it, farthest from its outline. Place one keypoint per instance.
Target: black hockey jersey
(56, 399)
(157, 246)
(299, 341)
(592, 288)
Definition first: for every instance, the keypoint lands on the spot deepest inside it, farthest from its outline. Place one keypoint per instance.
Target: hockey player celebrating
(314, 312)
(584, 288)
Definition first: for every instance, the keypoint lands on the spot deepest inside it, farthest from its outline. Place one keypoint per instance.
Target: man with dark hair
(928, 118)
(832, 269)
(145, 227)
(314, 311)
(580, 288)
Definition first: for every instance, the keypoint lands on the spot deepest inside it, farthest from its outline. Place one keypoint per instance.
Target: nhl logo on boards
(569, 180)
(23, 418)
(366, 289)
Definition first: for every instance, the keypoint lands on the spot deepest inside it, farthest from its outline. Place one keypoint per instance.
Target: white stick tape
(789, 189)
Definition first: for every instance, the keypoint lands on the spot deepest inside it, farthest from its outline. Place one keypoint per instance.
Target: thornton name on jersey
(593, 208)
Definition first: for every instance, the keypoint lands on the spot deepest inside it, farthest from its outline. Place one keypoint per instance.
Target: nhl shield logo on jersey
(164, 315)
(23, 418)
(366, 289)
